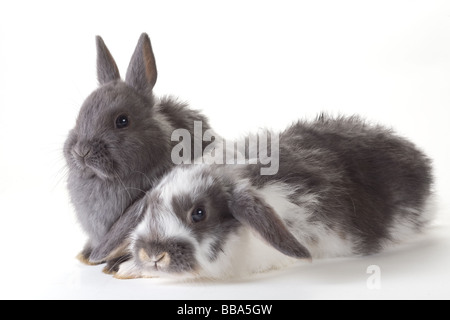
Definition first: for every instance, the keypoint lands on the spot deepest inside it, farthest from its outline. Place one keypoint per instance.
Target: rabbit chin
(93, 171)
(130, 270)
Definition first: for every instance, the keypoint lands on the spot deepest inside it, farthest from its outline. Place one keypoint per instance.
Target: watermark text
(262, 148)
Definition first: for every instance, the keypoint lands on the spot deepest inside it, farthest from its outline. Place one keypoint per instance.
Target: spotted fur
(343, 188)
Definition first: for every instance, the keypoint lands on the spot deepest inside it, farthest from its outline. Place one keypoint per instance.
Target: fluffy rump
(364, 178)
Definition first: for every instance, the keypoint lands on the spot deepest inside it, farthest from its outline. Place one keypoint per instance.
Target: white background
(246, 64)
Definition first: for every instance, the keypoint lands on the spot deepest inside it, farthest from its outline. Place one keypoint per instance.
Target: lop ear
(256, 214)
(106, 66)
(141, 73)
(117, 239)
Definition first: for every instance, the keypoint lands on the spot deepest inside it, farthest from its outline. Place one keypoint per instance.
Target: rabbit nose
(82, 150)
(159, 257)
(159, 260)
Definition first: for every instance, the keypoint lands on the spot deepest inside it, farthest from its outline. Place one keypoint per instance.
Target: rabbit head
(198, 222)
(116, 133)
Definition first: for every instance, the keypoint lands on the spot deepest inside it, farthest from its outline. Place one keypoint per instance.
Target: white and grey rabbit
(343, 188)
(121, 143)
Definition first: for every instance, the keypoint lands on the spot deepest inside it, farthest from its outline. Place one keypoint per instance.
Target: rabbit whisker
(150, 183)
(123, 185)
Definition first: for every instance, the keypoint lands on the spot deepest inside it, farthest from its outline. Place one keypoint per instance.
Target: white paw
(128, 270)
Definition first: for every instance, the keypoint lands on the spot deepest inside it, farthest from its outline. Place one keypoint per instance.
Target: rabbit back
(358, 185)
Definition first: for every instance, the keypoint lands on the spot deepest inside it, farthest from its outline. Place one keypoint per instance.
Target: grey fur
(364, 175)
(107, 70)
(142, 79)
(111, 169)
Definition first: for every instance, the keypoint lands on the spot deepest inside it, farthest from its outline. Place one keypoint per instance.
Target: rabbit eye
(122, 121)
(198, 214)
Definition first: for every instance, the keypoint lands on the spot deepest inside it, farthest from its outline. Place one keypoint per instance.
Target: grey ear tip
(99, 42)
(307, 256)
(144, 38)
(299, 252)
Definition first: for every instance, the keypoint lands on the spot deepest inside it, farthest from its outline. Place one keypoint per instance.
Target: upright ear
(256, 214)
(141, 73)
(117, 239)
(106, 66)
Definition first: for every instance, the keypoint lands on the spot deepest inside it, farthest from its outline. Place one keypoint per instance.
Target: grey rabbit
(121, 144)
(343, 188)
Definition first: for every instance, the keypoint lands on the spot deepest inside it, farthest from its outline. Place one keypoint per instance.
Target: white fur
(184, 180)
(166, 225)
(129, 270)
(405, 226)
(244, 253)
(320, 240)
(178, 182)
